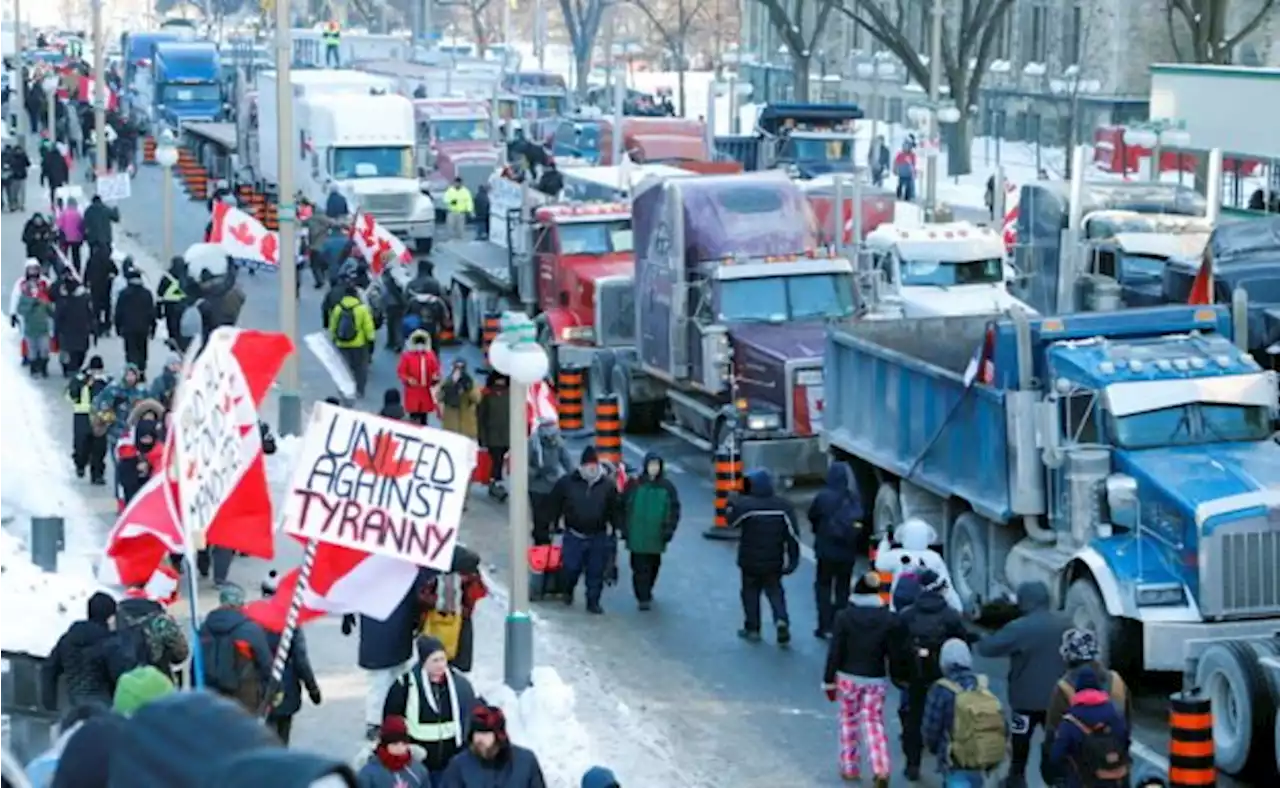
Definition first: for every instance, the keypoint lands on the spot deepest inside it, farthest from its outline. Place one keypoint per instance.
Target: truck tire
(967, 552)
(1243, 699)
(1084, 605)
(886, 513)
(636, 417)
(1277, 743)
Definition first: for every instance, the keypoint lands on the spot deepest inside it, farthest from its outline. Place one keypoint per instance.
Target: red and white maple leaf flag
(243, 237)
(376, 242)
(540, 405)
(144, 535)
(1202, 286)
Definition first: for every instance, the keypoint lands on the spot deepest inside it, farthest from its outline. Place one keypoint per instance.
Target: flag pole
(189, 556)
(290, 626)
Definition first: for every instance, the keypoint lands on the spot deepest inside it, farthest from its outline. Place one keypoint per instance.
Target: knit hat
(867, 584)
(270, 584)
(1088, 679)
(391, 397)
(394, 729)
(231, 595)
(139, 687)
(101, 607)
(931, 581)
(589, 455)
(146, 430)
(489, 719)
(1079, 646)
(428, 645)
(955, 654)
(96, 364)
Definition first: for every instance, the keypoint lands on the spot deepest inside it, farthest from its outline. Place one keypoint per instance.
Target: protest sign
(216, 433)
(380, 486)
(114, 188)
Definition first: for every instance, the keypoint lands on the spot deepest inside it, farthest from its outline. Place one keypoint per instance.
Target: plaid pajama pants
(862, 724)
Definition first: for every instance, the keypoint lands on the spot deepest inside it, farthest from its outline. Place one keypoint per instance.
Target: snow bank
(40, 605)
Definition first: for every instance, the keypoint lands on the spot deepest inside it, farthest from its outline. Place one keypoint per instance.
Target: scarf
(453, 702)
(393, 763)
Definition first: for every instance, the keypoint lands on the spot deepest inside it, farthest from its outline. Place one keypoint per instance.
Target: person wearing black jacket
(53, 172)
(83, 658)
(768, 549)
(100, 273)
(481, 201)
(135, 320)
(551, 182)
(394, 305)
(16, 165)
(98, 218)
(588, 501)
(922, 629)
(297, 674)
(836, 515)
(38, 237)
(74, 324)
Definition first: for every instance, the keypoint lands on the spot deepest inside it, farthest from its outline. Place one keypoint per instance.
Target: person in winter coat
(136, 458)
(1091, 744)
(549, 462)
(395, 302)
(482, 211)
(35, 309)
(386, 649)
(493, 420)
(904, 167)
(235, 652)
(392, 408)
(74, 325)
(436, 703)
(836, 515)
(456, 594)
(38, 238)
(135, 320)
(165, 384)
(1079, 650)
(651, 512)
(166, 645)
(922, 630)
(491, 760)
(459, 398)
(392, 764)
(89, 450)
(600, 777)
(588, 501)
(857, 675)
(71, 226)
(139, 687)
(425, 282)
(335, 206)
(298, 674)
(172, 296)
(419, 374)
(82, 657)
(53, 171)
(1031, 643)
(878, 160)
(100, 274)
(769, 549)
(350, 326)
(956, 666)
(98, 218)
(17, 165)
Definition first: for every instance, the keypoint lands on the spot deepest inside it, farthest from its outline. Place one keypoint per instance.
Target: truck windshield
(932, 273)
(1141, 268)
(473, 130)
(543, 106)
(1199, 422)
(777, 299)
(208, 93)
(388, 162)
(583, 238)
(818, 149)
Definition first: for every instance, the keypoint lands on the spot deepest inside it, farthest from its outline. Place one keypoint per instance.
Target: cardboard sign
(114, 188)
(380, 486)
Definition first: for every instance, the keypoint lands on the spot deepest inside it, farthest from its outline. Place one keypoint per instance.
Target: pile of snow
(49, 602)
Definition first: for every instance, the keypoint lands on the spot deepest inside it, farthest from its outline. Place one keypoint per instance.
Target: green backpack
(977, 727)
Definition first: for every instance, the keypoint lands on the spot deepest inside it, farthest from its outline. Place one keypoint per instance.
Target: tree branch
(1249, 26)
(1173, 33)
(820, 24)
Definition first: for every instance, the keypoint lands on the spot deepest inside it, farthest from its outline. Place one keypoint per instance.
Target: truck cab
(1126, 254)
(542, 94)
(186, 80)
(956, 268)
(645, 140)
(806, 140)
(455, 140)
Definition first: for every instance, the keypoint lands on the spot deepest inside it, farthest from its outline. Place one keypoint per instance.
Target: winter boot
(645, 604)
(79, 471)
(595, 609)
(784, 633)
(749, 635)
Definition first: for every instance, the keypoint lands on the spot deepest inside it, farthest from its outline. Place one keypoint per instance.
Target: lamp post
(166, 157)
(100, 92)
(517, 354)
(19, 48)
(1155, 134)
(935, 94)
(290, 403)
(875, 71)
(50, 85)
(933, 116)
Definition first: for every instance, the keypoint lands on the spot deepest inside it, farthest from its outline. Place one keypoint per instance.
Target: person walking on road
(588, 501)
(100, 275)
(436, 702)
(856, 677)
(81, 658)
(419, 374)
(144, 621)
(38, 237)
(1032, 643)
(491, 760)
(1091, 744)
(34, 314)
(963, 723)
(482, 206)
(458, 205)
(493, 417)
(836, 515)
(287, 701)
(71, 226)
(651, 509)
(98, 218)
(170, 291)
(89, 450)
(768, 550)
(1079, 650)
(53, 172)
(135, 320)
(459, 400)
(73, 324)
(235, 652)
(350, 325)
(392, 764)
(549, 462)
(17, 164)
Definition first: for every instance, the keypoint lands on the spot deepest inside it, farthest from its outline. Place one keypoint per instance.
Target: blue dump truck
(1127, 459)
(807, 140)
(186, 83)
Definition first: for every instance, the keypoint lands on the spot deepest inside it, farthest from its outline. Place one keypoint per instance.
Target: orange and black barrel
(489, 329)
(149, 150)
(569, 393)
(1191, 741)
(608, 430)
(728, 480)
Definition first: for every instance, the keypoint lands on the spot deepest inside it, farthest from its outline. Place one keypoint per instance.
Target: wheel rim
(1226, 709)
(963, 566)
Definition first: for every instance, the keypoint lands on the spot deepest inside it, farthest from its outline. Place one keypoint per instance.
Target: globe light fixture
(516, 352)
(948, 115)
(166, 151)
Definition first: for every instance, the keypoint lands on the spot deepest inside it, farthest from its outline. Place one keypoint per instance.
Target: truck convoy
(455, 140)
(351, 134)
(645, 140)
(542, 94)
(806, 140)
(186, 83)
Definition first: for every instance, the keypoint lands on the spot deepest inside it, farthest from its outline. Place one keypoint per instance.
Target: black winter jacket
(135, 310)
(74, 322)
(835, 514)
(770, 541)
(516, 767)
(53, 168)
(98, 218)
(928, 621)
(862, 641)
(297, 674)
(493, 419)
(588, 508)
(81, 657)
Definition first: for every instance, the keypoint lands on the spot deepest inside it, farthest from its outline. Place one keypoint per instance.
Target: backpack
(926, 649)
(131, 649)
(1115, 688)
(229, 668)
(345, 329)
(977, 727)
(838, 527)
(1103, 759)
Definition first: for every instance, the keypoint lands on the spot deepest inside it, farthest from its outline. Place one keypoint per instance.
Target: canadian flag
(376, 243)
(243, 237)
(86, 94)
(540, 405)
(1202, 285)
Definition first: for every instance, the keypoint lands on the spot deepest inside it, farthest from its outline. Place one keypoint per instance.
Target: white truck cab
(939, 270)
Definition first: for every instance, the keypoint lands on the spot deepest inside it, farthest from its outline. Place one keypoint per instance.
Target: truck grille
(387, 205)
(1239, 574)
(616, 312)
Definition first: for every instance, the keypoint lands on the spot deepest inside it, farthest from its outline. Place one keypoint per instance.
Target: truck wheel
(1084, 605)
(1277, 743)
(458, 309)
(636, 417)
(1243, 702)
(967, 561)
(886, 514)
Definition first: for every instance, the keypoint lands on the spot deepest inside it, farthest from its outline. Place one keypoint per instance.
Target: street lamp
(166, 157)
(875, 71)
(932, 117)
(50, 85)
(516, 353)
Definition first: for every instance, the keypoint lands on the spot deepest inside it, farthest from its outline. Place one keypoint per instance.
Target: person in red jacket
(419, 373)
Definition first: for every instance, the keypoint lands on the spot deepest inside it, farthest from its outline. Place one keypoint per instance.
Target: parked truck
(731, 302)
(455, 140)
(186, 83)
(806, 140)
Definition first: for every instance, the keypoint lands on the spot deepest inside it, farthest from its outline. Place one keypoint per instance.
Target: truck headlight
(1162, 595)
(763, 422)
(809, 377)
(578, 334)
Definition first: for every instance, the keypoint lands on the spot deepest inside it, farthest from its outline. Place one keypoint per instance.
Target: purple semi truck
(731, 305)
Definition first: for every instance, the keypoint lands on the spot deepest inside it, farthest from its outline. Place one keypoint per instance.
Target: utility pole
(99, 90)
(290, 417)
(540, 33)
(19, 98)
(935, 90)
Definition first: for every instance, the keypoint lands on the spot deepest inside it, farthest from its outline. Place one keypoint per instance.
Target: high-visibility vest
(84, 403)
(332, 34)
(172, 292)
(424, 731)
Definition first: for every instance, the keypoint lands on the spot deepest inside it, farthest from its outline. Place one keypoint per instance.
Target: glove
(13, 320)
(348, 624)
(611, 570)
(313, 692)
(830, 689)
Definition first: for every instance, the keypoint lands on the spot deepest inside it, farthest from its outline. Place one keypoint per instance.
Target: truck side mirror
(1122, 500)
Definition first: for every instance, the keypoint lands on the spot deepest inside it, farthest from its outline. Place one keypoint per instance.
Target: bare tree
(673, 22)
(1082, 74)
(1206, 26)
(478, 15)
(582, 19)
(788, 18)
(967, 51)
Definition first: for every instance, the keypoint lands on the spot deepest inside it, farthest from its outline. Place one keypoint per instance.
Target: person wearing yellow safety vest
(89, 451)
(172, 297)
(352, 330)
(332, 36)
(436, 702)
(459, 205)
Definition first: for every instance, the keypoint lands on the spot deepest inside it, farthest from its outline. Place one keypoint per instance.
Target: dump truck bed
(484, 259)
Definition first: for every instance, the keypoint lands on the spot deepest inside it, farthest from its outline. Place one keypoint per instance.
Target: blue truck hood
(187, 110)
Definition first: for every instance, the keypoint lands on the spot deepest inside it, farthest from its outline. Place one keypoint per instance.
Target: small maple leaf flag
(243, 237)
(377, 245)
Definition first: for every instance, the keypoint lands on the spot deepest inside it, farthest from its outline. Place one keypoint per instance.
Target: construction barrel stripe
(608, 429)
(885, 578)
(489, 329)
(728, 468)
(569, 392)
(1191, 741)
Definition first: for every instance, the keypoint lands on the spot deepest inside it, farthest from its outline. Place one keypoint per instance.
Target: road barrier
(258, 205)
(149, 150)
(728, 470)
(244, 196)
(1191, 741)
(608, 430)
(885, 578)
(489, 329)
(194, 178)
(569, 396)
